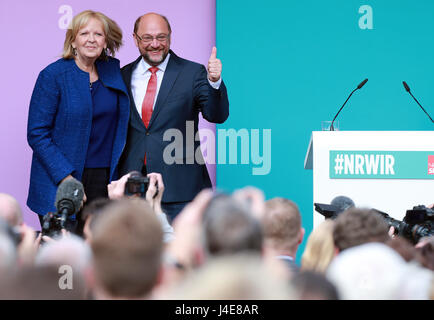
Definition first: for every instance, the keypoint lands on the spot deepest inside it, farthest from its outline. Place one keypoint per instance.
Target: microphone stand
(361, 84)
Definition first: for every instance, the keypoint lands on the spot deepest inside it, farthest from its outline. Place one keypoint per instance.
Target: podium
(391, 171)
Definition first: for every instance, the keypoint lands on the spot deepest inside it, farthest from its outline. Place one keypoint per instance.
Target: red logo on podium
(431, 164)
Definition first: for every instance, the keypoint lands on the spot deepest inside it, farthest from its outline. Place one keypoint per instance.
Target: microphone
(69, 197)
(342, 203)
(361, 84)
(407, 88)
(337, 206)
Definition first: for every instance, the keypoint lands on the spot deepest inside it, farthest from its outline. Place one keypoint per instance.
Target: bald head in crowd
(10, 210)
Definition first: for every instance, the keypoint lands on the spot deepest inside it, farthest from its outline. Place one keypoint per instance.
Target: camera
(52, 225)
(69, 199)
(338, 205)
(12, 232)
(417, 223)
(329, 211)
(137, 184)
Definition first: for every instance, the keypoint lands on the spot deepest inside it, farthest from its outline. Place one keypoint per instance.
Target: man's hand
(28, 246)
(155, 179)
(214, 66)
(186, 247)
(116, 188)
(253, 198)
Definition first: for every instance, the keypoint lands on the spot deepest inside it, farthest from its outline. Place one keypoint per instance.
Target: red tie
(148, 101)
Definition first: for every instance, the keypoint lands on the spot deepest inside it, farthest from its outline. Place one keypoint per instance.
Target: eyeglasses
(149, 38)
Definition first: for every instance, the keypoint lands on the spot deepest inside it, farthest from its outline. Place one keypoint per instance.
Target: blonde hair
(112, 32)
(320, 248)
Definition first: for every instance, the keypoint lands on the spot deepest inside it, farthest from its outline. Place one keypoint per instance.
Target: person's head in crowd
(90, 214)
(69, 250)
(405, 248)
(426, 251)
(24, 240)
(10, 210)
(253, 198)
(310, 285)
(359, 226)
(418, 282)
(127, 244)
(281, 223)
(375, 271)
(320, 248)
(229, 228)
(42, 283)
(232, 277)
(8, 254)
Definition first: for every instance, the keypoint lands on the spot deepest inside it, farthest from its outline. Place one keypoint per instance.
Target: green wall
(289, 65)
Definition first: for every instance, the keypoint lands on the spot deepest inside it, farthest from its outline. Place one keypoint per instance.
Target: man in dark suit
(166, 95)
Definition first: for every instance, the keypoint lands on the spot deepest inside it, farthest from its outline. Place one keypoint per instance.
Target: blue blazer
(59, 126)
(184, 92)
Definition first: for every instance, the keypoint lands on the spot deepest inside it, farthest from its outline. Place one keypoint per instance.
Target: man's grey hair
(229, 227)
(10, 209)
(8, 254)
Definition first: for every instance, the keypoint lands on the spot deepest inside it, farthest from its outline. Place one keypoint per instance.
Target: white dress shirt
(140, 78)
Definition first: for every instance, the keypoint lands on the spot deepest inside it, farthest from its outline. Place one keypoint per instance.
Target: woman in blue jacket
(78, 115)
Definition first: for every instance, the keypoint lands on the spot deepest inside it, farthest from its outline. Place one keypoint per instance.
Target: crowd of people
(221, 246)
(92, 122)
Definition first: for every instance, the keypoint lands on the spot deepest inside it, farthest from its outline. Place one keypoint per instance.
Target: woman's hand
(84, 193)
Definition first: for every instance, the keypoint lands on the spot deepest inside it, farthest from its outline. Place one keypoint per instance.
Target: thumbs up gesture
(214, 66)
